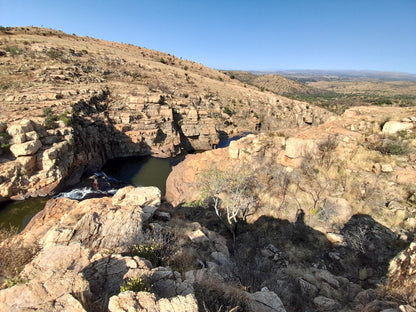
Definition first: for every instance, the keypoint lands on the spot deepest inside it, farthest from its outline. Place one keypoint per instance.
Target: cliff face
(353, 164)
(71, 103)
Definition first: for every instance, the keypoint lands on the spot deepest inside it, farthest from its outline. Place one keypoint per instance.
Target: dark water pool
(140, 171)
(18, 213)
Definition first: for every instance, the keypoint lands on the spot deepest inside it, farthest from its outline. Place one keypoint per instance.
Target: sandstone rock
(407, 308)
(21, 127)
(327, 277)
(299, 147)
(198, 237)
(54, 275)
(99, 223)
(264, 301)
(335, 238)
(147, 302)
(402, 274)
(143, 197)
(337, 210)
(386, 168)
(392, 127)
(28, 163)
(26, 149)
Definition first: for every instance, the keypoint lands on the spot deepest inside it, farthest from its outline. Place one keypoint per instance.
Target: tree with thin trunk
(231, 193)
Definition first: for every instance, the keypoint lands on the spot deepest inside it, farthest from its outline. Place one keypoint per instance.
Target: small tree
(231, 193)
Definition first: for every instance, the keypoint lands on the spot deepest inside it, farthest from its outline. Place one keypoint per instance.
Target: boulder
(402, 274)
(100, 223)
(142, 196)
(324, 304)
(21, 127)
(392, 127)
(264, 301)
(26, 149)
(145, 302)
(300, 147)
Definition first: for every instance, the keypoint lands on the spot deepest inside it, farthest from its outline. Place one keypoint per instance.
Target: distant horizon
(320, 34)
(319, 70)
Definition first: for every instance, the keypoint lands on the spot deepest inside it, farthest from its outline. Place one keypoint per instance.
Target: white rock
(392, 127)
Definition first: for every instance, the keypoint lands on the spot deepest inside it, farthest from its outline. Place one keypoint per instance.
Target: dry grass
(13, 258)
(215, 296)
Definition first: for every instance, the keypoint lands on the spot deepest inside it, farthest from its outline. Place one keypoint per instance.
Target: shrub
(136, 284)
(162, 60)
(184, 261)
(54, 54)
(213, 296)
(158, 247)
(14, 51)
(50, 122)
(228, 111)
(393, 148)
(5, 143)
(13, 260)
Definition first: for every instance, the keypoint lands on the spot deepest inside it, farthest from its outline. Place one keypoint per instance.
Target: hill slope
(69, 103)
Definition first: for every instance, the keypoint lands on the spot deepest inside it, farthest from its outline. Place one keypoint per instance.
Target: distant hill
(311, 75)
(336, 90)
(272, 82)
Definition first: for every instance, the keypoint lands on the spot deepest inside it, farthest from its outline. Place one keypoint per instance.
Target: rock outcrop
(402, 275)
(79, 266)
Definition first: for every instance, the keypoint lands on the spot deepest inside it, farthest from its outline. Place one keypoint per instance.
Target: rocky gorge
(329, 216)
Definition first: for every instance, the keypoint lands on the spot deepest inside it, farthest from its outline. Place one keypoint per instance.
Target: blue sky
(246, 35)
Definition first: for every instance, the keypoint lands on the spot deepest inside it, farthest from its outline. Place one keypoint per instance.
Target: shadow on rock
(105, 276)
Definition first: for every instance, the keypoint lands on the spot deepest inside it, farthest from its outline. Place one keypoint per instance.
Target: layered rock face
(340, 168)
(79, 266)
(72, 103)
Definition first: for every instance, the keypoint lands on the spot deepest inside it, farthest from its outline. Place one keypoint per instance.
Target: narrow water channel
(138, 171)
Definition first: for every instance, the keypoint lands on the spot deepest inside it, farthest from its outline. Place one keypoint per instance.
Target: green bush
(136, 284)
(54, 54)
(65, 119)
(393, 148)
(228, 111)
(5, 142)
(14, 51)
(157, 246)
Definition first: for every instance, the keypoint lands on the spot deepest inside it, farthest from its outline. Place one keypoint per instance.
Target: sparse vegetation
(228, 111)
(5, 142)
(14, 51)
(13, 260)
(136, 284)
(230, 192)
(157, 246)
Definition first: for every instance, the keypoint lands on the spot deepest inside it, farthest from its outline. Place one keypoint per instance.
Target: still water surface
(138, 171)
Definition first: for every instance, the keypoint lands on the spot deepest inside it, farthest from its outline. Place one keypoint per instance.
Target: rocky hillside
(337, 197)
(72, 102)
(272, 82)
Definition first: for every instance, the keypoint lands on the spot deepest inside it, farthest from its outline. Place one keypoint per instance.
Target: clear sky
(244, 34)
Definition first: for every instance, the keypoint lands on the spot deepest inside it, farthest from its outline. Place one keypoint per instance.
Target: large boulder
(392, 127)
(146, 302)
(26, 148)
(264, 301)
